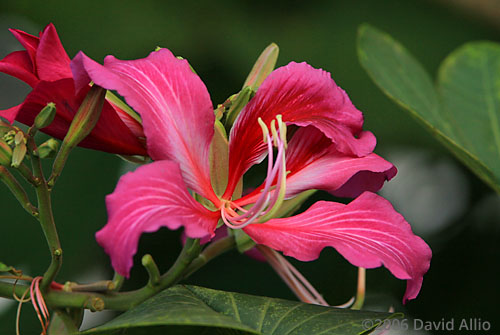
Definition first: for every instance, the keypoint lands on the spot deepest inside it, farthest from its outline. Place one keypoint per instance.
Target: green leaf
(206, 311)
(469, 83)
(468, 100)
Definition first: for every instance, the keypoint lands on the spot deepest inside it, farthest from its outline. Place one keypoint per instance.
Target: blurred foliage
(221, 40)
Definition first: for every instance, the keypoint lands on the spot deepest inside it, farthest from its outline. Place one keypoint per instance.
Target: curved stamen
(271, 197)
(271, 173)
(292, 277)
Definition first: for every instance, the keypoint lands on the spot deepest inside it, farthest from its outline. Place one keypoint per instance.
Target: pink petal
(151, 197)
(18, 65)
(314, 163)
(303, 96)
(110, 133)
(173, 102)
(368, 232)
(10, 114)
(52, 61)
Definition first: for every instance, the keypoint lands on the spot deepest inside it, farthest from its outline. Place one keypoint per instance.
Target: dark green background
(222, 39)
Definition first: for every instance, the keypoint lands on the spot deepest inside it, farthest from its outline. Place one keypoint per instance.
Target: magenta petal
(151, 197)
(174, 105)
(303, 96)
(314, 163)
(368, 232)
(52, 61)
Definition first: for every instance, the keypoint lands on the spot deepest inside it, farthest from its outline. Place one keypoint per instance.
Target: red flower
(45, 66)
(325, 148)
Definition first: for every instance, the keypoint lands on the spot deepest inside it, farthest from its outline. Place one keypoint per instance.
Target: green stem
(46, 219)
(59, 162)
(153, 271)
(28, 175)
(189, 253)
(215, 249)
(120, 301)
(361, 289)
(18, 191)
(117, 281)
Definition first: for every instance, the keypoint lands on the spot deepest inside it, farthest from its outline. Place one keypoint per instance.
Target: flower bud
(20, 149)
(86, 117)
(48, 149)
(262, 67)
(5, 153)
(18, 154)
(46, 116)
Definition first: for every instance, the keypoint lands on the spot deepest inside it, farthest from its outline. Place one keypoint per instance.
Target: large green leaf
(469, 83)
(196, 310)
(464, 111)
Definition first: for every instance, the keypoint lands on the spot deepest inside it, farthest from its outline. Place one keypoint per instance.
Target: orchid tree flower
(312, 137)
(45, 66)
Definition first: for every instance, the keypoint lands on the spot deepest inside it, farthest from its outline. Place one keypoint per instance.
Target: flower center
(271, 197)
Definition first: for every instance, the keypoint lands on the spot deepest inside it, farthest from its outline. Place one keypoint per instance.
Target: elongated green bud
(262, 67)
(86, 117)
(84, 121)
(46, 116)
(5, 153)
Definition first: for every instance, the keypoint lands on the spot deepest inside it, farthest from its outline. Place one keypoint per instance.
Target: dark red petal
(28, 41)
(110, 133)
(52, 61)
(18, 64)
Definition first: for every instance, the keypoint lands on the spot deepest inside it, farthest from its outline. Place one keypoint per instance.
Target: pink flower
(45, 66)
(319, 144)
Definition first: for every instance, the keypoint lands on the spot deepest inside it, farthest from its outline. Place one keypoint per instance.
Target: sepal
(237, 103)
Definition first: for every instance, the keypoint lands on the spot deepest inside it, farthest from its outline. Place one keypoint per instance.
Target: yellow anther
(282, 129)
(274, 133)
(265, 131)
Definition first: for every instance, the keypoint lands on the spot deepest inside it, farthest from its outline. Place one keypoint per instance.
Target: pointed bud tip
(263, 66)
